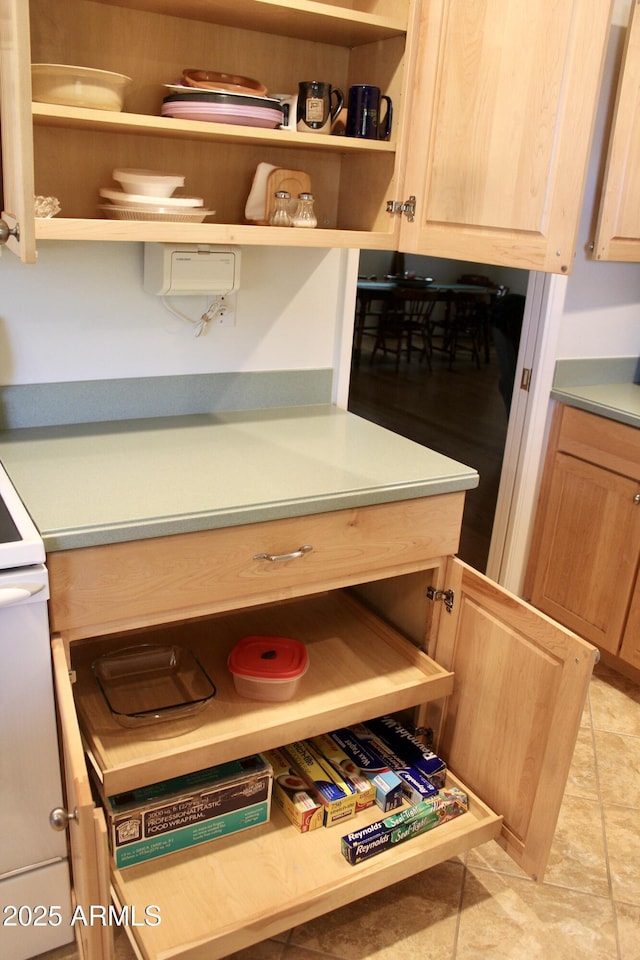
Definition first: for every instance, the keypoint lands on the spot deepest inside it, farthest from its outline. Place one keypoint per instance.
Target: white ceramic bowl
(142, 200)
(148, 183)
(78, 86)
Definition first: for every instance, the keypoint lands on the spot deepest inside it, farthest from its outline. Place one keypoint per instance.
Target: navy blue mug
(363, 113)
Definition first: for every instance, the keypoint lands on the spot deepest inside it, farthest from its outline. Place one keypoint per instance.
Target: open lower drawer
(225, 895)
(358, 668)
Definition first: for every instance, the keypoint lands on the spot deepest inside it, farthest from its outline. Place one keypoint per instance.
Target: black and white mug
(318, 106)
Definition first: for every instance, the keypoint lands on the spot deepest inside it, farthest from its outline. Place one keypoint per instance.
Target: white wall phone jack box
(180, 270)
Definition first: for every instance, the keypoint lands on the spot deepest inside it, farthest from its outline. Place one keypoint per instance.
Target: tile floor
(483, 906)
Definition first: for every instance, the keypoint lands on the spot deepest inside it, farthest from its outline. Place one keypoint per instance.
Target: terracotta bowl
(211, 80)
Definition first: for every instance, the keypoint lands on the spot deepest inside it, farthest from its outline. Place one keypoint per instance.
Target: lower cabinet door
(87, 827)
(510, 726)
(587, 553)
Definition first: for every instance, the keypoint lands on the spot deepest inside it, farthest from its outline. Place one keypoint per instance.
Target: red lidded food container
(268, 668)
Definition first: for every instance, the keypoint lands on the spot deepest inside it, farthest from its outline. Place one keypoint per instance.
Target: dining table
(392, 291)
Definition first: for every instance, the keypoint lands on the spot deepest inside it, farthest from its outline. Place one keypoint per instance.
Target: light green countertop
(616, 401)
(607, 387)
(97, 483)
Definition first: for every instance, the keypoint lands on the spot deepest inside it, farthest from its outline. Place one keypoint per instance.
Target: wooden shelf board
(301, 19)
(359, 668)
(59, 228)
(112, 121)
(235, 891)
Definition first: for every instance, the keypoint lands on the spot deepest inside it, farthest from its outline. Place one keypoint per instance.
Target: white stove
(34, 872)
(20, 543)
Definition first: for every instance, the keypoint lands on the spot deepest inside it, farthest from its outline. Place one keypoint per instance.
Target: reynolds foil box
(173, 814)
(388, 785)
(384, 834)
(329, 750)
(408, 749)
(291, 795)
(415, 785)
(338, 800)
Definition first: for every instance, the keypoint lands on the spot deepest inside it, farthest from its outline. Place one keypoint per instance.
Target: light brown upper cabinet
(493, 113)
(618, 230)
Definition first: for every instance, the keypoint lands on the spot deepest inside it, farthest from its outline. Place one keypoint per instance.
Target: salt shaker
(280, 216)
(304, 215)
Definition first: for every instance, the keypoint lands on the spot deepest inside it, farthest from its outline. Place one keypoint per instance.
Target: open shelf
(359, 668)
(227, 894)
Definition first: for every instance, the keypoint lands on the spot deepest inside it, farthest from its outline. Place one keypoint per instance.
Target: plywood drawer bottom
(239, 890)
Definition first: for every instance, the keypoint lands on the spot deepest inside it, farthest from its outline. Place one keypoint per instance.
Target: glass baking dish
(152, 682)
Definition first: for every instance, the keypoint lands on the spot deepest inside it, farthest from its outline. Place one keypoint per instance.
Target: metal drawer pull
(273, 557)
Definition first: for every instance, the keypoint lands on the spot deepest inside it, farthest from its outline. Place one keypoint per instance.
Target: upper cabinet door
(618, 230)
(17, 131)
(511, 723)
(505, 100)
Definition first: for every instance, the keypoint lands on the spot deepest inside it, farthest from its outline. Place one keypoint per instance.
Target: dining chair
(405, 327)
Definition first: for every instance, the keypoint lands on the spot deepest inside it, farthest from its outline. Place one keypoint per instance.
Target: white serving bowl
(148, 183)
(142, 200)
(78, 86)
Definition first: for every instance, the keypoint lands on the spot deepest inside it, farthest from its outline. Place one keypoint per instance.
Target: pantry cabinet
(392, 622)
(493, 113)
(585, 552)
(618, 232)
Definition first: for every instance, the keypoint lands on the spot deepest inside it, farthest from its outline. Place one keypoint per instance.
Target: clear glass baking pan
(152, 682)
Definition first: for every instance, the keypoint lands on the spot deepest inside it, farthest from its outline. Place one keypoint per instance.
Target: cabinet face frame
(485, 618)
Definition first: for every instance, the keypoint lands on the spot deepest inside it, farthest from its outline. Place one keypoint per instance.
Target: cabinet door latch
(408, 208)
(446, 595)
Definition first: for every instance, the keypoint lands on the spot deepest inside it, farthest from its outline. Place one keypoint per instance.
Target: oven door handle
(19, 591)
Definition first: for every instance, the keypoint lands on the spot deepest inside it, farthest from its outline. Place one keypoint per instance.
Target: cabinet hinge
(446, 595)
(408, 208)
(525, 379)
(72, 676)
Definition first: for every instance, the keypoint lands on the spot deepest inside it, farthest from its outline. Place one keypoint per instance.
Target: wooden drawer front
(598, 440)
(101, 589)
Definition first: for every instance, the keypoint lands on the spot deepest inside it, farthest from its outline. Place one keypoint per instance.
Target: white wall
(80, 313)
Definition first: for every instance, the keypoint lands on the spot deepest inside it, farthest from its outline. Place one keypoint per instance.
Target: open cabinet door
(510, 726)
(17, 129)
(618, 230)
(87, 827)
(505, 102)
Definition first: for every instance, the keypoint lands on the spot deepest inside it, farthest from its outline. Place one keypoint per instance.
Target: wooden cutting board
(293, 181)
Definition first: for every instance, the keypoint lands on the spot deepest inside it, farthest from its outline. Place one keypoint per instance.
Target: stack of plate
(196, 103)
(147, 195)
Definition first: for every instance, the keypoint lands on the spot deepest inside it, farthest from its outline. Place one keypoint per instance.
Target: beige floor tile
(628, 918)
(582, 781)
(414, 918)
(578, 859)
(504, 918)
(618, 760)
(265, 950)
(622, 829)
(615, 702)
(491, 856)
